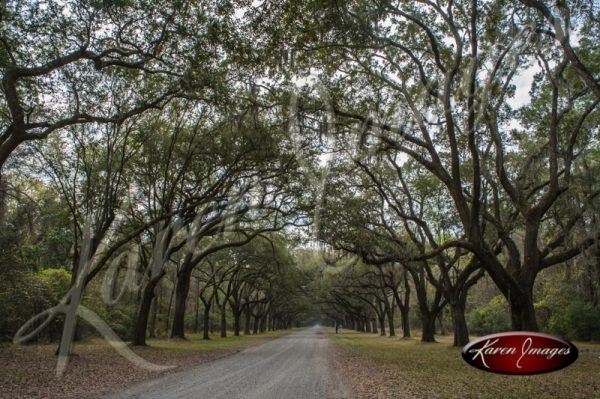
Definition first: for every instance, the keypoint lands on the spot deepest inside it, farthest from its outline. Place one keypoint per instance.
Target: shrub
(491, 318)
(23, 294)
(580, 320)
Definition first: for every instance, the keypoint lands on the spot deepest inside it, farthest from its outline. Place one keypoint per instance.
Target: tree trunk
(247, 320)
(459, 324)
(3, 191)
(522, 313)
(211, 325)
(381, 325)
(141, 323)
(236, 321)
(181, 293)
(197, 302)
(404, 316)
(255, 325)
(224, 320)
(520, 295)
(263, 323)
(390, 314)
(153, 316)
(168, 318)
(404, 305)
(206, 321)
(428, 328)
(440, 318)
(428, 309)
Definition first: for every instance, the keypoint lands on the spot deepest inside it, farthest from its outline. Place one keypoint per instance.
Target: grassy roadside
(384, 367)
(95, 368)
(194, 342)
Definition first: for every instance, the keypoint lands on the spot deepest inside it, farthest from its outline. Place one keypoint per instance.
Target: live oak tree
(266, 258)
(94, 62)
(361, 296)
(98, 73)
(89, 171)
(268, 195)
(207, 186)
(175, 147)
(395, 276)
(390, 230)
(434, 82)
(560, 21)
(414, 210)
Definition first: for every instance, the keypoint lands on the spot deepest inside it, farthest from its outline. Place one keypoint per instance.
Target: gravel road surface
(296, 366)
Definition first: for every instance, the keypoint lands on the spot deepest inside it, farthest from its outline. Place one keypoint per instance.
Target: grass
(437, 370)
(194, 342)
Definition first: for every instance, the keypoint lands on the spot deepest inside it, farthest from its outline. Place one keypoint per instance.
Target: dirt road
(293, 366)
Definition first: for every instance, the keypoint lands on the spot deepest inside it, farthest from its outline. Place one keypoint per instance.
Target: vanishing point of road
(295, 366)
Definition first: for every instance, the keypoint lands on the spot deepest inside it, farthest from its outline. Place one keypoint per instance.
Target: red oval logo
(520, 352)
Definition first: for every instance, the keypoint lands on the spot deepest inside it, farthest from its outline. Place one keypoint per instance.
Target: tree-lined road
(293, 366)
